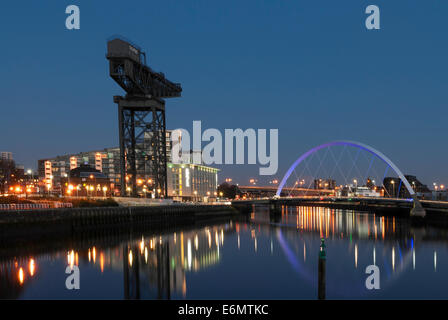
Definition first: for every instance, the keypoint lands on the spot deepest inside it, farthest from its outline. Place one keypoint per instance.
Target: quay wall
(72, 220)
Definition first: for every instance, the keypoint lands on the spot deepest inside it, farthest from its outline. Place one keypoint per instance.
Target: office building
(192, 182)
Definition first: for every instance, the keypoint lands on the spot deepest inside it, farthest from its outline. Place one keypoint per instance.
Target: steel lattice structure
(141, 116)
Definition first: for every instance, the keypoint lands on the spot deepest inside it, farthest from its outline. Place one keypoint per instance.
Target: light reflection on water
(262, 256)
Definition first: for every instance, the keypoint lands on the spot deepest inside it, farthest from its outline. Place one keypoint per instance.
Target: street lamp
(393, 188)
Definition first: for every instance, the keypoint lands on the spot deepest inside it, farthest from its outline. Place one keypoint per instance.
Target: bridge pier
(275, 211)
(275, 207)
(417, 210)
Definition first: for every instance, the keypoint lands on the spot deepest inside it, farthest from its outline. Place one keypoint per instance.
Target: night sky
(309, 68)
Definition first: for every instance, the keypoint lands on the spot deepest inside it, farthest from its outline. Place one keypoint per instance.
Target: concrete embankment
(67, 221)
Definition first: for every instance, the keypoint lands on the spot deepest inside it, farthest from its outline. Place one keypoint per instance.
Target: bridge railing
(34, 206)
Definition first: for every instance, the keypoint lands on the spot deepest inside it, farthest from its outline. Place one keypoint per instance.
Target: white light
(393, 258)
(413, 259)
(435, 260)
(238, 240)
(374, 256)
(189, 253)
(187, 178)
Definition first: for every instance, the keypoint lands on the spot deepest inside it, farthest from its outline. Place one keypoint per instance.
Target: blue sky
(308, 68)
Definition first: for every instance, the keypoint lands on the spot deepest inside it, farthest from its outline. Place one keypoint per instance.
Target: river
(256, 257)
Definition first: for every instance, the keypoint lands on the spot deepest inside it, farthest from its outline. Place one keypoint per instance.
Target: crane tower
(141, 118)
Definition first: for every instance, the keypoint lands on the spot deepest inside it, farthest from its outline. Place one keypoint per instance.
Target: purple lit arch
(351, 144)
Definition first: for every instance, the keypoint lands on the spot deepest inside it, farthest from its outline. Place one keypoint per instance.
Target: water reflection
(265, 256)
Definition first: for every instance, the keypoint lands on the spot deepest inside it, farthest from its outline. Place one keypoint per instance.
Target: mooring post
(322, 270)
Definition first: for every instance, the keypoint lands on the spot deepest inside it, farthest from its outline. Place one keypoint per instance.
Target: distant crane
(141, 116)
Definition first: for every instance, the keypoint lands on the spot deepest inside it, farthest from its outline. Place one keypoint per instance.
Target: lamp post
(393, 188)
(70, 189)
(92, 177)
(322, 271)
(140, 183)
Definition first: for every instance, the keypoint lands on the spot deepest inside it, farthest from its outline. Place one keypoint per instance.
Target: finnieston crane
(141, 117)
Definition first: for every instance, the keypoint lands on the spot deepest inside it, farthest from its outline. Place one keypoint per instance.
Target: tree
(228, 191)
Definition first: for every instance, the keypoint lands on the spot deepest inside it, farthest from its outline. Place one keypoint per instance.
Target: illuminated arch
(419, 211)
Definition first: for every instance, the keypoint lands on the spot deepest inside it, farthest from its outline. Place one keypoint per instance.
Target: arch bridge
(417, 208)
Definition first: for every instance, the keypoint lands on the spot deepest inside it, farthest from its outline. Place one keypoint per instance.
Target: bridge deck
(360, 203)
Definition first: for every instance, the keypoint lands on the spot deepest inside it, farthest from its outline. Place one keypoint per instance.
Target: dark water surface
(257, 257)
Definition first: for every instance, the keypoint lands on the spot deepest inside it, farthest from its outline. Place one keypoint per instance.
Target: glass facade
(192, 182)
